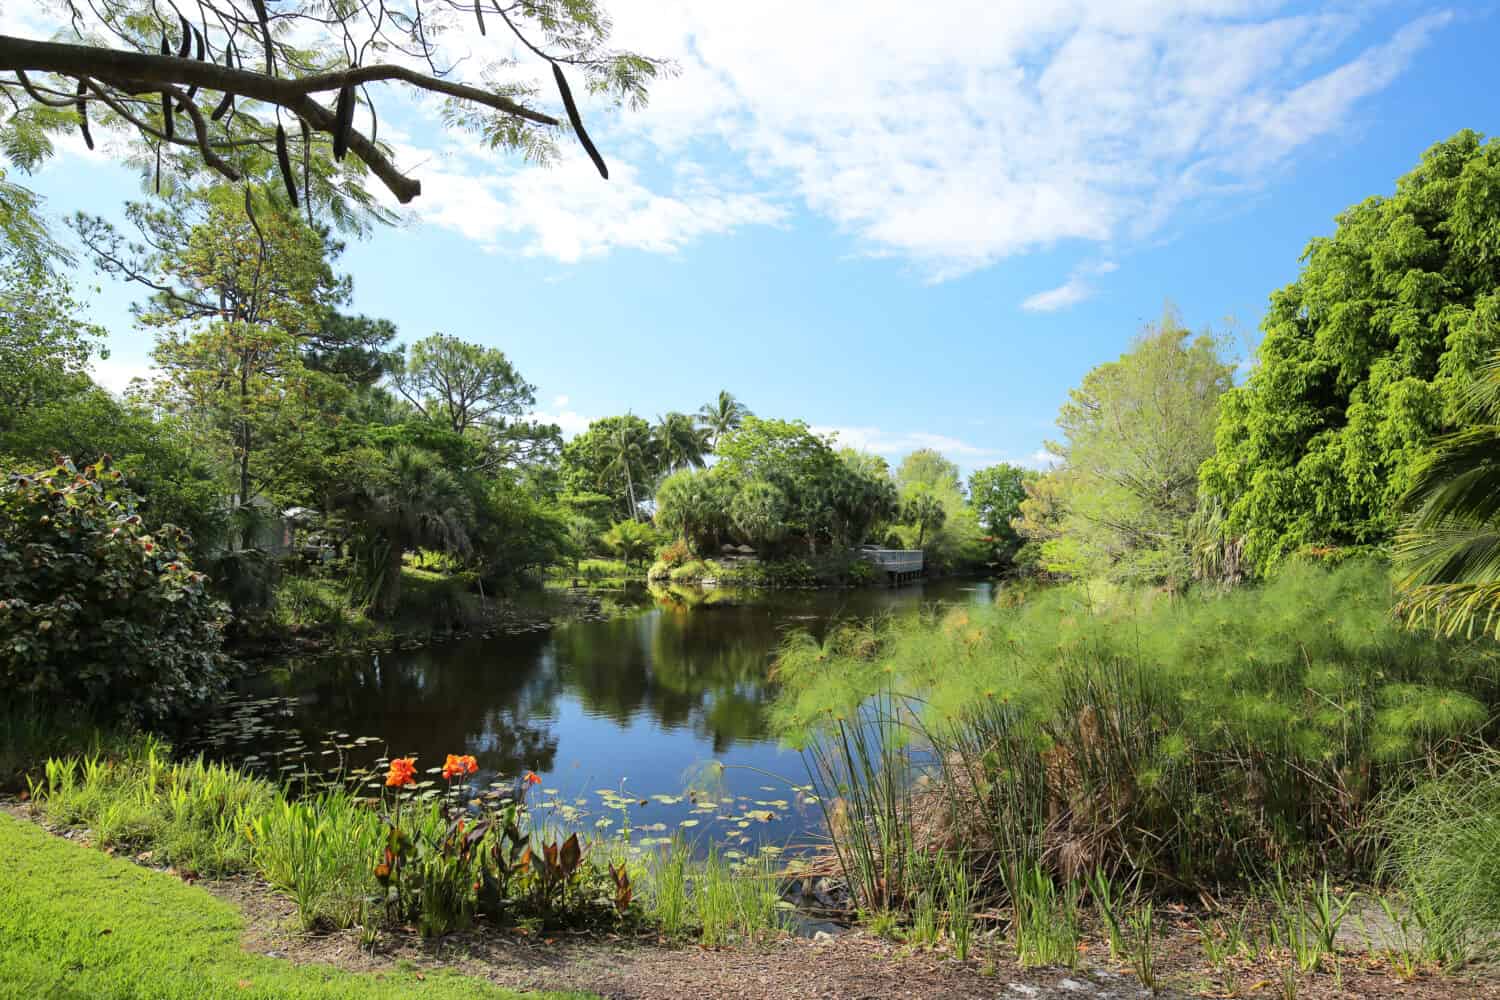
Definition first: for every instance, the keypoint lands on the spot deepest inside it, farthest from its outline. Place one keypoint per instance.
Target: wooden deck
(900, 565)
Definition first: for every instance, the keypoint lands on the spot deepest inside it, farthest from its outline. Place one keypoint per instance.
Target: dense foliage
(1135, 432)
(1364, 361)
(100, 615)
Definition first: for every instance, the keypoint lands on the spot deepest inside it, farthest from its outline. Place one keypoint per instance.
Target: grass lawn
(75, 922)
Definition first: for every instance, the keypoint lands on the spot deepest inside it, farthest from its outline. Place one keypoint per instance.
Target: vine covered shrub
(97, 614)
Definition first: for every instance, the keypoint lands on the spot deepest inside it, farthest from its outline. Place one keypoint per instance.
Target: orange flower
(403, 772)
(455, 766)
(382, 871)
(531, 778)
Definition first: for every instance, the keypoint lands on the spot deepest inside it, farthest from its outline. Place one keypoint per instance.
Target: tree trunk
(389, 597)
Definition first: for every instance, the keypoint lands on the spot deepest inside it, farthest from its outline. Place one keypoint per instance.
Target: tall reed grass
(1182, 741)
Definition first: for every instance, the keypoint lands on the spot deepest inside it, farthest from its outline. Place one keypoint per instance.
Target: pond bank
(239, 934)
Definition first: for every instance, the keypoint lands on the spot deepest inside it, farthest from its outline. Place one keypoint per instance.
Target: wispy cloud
(965, 133)
(893, 444)
(1069, 293)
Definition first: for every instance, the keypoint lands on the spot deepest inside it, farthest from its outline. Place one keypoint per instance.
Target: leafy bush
(99, 615)
(1187, 740)
(674, 555)
(595, 570)
(689, 572)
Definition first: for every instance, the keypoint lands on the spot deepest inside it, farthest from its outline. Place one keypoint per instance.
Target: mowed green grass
(76, 923)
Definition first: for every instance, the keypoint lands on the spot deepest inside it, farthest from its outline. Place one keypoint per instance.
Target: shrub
(674, 555)
(98, 615)
(690, 572)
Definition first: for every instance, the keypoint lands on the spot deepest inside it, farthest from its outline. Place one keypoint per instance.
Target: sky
(909, 225)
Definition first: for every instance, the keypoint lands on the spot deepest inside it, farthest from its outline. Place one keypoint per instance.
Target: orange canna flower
(403, 772)
(382, 871)
(455, 766)
(531, 778)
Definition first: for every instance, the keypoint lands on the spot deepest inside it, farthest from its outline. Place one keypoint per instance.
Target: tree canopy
(247, 90)
(1364, 361)
(1134, 435)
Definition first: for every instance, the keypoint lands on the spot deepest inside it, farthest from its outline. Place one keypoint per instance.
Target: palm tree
(680, 443)
(627, 452)
(722, 416)
(410, 502)
(1449, 545)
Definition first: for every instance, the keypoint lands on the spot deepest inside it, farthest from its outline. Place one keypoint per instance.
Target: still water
(641, 707)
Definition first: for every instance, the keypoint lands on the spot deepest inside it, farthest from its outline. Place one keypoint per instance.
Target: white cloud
(116, 374)
(897, 443)
(959, 134)
(559, 402)
(1069, 293)
(566, 212)
(571, 422)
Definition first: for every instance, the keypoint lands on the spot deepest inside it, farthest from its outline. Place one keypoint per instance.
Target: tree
(631, 540)
(1449, 545)
(234, 87)
(1364, 361)
(589, 467)
(723, 415)
(679, 443)
(404, 500)
(355, 350)
(790, 457)
(44, 347)
(924, 510)
(627, 450)
(929, 468)
(692, 504)
(760, 511)
(1134, 435)
(463, 386)
(99, 614)
(997, 492)
(234, 300)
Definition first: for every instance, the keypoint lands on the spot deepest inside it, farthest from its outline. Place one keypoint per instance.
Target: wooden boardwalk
(900, 565)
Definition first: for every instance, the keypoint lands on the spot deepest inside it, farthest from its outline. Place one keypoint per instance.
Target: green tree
(462, 385)
(1134, 435)
(788, 455)
(298, 88)
(355, 350)
(723, 415)
(928, 467)
(98, 613)
(234, 300)
(759, 511)
(923, 509)
(692, 504)
(632, 540)
(44, 347)
(680, 444)
(997, 491)
(403, 501)
(1449, 545)
(1364, 361)
(589, 465)
(628, 450)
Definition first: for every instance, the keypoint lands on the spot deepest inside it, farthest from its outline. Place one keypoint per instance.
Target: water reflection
(644, 699)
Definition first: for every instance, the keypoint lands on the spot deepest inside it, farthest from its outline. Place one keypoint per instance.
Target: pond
(639, 707)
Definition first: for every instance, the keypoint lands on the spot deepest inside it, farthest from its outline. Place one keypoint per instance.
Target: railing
(895, 560)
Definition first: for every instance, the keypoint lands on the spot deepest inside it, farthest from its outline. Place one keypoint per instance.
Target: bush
(98, 615)
(690, 572)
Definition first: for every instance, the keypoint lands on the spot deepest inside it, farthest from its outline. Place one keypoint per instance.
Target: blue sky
(916, 232)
